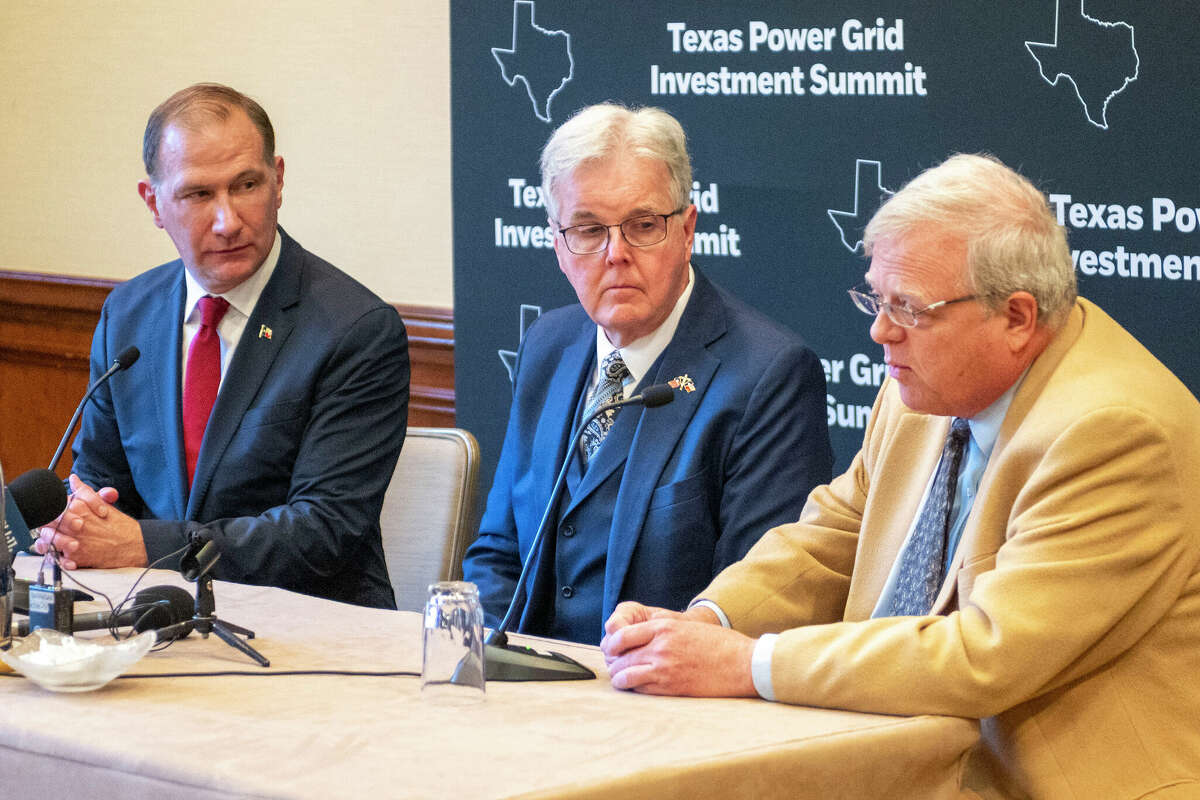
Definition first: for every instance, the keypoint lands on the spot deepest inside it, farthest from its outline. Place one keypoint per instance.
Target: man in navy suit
(288, 474)
(656, 501)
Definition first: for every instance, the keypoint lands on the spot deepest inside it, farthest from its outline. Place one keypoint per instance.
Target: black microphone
(31, 500)
(152, 608)
(40, 496)
(504, 662)
(124, 360)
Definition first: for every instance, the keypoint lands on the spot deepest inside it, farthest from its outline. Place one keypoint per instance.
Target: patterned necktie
(203, 378)
(611, 387)
(922, 564)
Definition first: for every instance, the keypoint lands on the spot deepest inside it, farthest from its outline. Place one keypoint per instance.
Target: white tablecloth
(371, 737)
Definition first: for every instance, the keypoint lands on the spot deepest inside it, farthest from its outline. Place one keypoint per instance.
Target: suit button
(568, 531)
(568, 592)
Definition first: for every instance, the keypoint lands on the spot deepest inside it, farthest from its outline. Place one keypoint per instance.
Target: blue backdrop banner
(800, 117)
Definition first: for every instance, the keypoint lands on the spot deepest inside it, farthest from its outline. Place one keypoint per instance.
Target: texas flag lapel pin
(264, 332)
(683, 382)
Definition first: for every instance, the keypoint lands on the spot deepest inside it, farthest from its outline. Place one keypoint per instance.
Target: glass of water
(452, 669)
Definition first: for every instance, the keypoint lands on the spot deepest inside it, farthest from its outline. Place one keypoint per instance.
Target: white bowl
(63, 663)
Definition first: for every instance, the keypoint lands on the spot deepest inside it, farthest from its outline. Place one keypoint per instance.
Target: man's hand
(91, 532)
(631, 613)
(656, 651)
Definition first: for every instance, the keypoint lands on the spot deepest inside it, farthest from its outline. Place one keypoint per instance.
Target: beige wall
(358, 90)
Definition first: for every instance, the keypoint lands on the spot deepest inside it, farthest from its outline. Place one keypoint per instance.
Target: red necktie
(203, 378)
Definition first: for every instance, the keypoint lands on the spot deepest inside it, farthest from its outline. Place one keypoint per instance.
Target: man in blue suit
(656, 501)
(308, 388)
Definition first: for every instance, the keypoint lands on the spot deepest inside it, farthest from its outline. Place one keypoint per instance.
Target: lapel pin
(683, 382)
(264, 332)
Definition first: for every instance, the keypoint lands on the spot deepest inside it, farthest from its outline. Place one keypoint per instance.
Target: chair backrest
(429, 511)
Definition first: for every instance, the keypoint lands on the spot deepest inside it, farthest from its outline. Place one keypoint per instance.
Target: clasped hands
(657, 651)
(92, 532)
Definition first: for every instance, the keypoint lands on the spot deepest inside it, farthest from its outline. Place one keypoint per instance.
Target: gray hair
(598, 132)
(197, 105)
(1014, 242)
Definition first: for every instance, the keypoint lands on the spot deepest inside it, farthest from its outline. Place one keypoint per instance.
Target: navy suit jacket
(302, 440)
(677, 492)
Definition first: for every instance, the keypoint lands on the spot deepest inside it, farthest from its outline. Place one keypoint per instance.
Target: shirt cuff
(760, 661)
(760, 665)
(716, 609)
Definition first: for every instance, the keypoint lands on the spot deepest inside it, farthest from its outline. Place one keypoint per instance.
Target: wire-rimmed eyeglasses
(643, 230)
(902, 314)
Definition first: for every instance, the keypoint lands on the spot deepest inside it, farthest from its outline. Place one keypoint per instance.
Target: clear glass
(452, 669)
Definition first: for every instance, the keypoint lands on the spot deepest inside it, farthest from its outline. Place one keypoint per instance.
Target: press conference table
(376, 737)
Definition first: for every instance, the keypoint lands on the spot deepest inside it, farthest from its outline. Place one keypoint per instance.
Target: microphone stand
(195, 564)
(505, 662)
(124, 360)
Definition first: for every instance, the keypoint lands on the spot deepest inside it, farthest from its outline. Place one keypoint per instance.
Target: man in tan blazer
(1066, 612)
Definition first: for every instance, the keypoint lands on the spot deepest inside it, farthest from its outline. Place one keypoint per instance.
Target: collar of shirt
(242, 299)
(640, 354)
(985, 426)
(985, 429)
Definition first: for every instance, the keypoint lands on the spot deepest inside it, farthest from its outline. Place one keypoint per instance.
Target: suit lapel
(275, 309)
(610, 455)
(1032, 387)
(551, 441)
(655, 433)
(164, 345)
(563, 404)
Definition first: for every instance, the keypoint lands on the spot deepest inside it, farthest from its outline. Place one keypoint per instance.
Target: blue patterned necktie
(922, 564)
(610, 388)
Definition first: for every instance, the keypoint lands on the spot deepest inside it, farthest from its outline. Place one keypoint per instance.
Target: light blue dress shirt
(985, 429)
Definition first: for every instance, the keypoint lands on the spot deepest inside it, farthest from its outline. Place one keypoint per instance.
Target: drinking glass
(452, 668)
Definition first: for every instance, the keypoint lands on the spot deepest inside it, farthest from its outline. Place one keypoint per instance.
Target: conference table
(271, 735)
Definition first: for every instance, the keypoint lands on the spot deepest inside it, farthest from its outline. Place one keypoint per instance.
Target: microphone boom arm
(124, 360)
(506, 662)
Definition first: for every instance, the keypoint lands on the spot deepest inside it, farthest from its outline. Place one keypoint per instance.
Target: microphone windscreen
(125, 359)
(657, 395)
(40, 496)
(179, 607)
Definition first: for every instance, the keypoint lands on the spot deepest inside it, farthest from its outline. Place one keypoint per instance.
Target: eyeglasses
(902, 314)
(641, 231)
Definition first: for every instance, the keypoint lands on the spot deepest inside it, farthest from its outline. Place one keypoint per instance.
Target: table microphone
(505, 662)
(30, 501)
(39, 496)
(152, 608)
(124, 360)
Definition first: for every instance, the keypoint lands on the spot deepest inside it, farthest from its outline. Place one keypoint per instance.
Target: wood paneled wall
(46, 325)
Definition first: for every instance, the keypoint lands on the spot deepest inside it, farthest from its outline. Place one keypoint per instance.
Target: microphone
(40, 496)
(654, 396)
(153, 608)
(124, 360)
(505, 662)
(32, 500)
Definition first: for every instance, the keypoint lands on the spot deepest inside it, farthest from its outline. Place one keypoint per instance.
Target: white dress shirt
(242, 299)
(640, 354)
(985, 429)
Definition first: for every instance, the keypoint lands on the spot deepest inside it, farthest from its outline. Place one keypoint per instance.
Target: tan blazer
(1070, 621)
